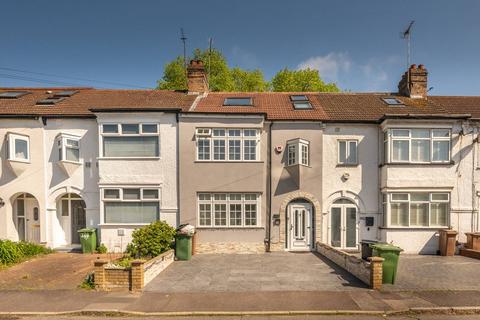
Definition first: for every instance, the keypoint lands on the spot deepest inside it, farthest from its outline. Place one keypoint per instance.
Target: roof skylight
(50, 101)
(67, 93)
(12, 94)
(238, 101)
(393, 102)
(300, 102)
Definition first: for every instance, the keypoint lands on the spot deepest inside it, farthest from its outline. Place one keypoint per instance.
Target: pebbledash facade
(253, 172)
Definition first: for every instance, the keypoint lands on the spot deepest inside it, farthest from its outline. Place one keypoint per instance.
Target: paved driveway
(254, 272)
(417, 272)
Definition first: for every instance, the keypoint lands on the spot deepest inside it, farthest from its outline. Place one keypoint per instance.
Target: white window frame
(347, 151)
(299, 156)
(389, 139)
(207, 134)
(11, 138)
(121, 199)
(120, 133)
(62, 144)
(388, 200)
(243, 201)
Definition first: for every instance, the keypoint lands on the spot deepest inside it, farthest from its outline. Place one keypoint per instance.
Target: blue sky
(354, 43)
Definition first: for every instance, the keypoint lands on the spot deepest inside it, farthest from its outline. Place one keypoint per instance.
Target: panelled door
(299, 226)
(343, 225)
(78, 219)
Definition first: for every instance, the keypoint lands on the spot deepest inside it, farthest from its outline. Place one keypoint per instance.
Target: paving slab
(279, 271)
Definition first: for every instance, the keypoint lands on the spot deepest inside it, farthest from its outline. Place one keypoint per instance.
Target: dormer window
(300, 102)
(298, 152)
(238, 101)
(18, 147)
(68, 148)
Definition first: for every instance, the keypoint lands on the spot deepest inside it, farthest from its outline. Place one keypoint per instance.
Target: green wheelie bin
(88, 239)
(183, 246)
(391, 255)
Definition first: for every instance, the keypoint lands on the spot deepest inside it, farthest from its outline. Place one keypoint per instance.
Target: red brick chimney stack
(416, 86)
(197, 77)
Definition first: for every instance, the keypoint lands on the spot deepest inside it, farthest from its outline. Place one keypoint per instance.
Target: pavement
(279, 271)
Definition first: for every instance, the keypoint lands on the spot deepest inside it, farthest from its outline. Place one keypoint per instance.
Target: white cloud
(329, 66)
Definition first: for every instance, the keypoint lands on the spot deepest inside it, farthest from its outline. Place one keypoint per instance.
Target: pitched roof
(81, 103)
(340, 106)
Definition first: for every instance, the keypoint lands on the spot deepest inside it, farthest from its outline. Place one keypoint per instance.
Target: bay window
(228, 210)
(68, 148)
(130, 140)
(417, 209)
(298, 152)
(221, 144)
(131, 205)
(18, 147)
(417, 145)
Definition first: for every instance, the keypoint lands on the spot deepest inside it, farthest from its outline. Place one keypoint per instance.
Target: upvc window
(130, 140)
(18, 147)
(347, 152)
(68, 148)
(131, 205)
(298, 152)
(221, 144)
(419, 209)
(417, 145)
(228, 210)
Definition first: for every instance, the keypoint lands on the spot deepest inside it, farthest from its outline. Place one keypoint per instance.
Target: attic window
(12, 94)
(50, 101)
(393, 102)
(64, 94)
(238, 101)
(300, 102)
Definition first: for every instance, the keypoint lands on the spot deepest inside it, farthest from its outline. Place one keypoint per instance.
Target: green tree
(221, 77)
(301, 81)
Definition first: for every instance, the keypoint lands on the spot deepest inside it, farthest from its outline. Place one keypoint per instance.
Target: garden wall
(108, 277)
(369, 272)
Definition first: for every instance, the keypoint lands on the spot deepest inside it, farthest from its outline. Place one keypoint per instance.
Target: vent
(238, 101)
(12, 94)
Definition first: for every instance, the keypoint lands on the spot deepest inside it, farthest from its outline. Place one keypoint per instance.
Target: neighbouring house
(80, 157)
(251, 171)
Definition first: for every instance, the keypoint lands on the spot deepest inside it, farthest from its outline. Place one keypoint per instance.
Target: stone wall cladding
(134, 278)
(230, 247)
(369, 273)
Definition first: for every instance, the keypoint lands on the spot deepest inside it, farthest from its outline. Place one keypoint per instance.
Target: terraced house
(251, 171)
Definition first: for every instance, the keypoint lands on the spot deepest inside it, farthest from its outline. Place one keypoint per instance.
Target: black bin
(366, 250)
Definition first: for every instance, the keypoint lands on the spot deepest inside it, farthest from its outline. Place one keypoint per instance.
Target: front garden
(15, 252)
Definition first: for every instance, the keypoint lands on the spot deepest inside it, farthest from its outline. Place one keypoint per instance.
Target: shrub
(102, 248)
(88, 282)
(151, 240)
(14, 252)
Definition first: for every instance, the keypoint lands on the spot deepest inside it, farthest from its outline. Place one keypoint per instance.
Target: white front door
(343, 226)
(299, 227)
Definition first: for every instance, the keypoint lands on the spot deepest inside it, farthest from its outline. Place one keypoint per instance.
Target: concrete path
(254, 273)
(417, 272)
(56, 271)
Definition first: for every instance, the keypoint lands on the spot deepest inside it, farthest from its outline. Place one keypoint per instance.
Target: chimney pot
(413, 66)
(421, 66)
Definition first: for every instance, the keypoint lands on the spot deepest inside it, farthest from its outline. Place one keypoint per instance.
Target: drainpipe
(269, 187)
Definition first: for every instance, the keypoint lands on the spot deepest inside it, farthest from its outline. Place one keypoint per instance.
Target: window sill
(229, 228)
(228, 161)
(72, 162)
(297, 164)
(415, 228)
(122, 224)
(129, 158)
(19, 161)
(422, 164)
(347, 165)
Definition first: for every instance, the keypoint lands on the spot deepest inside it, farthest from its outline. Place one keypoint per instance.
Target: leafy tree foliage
(224, 78)
(301, 81)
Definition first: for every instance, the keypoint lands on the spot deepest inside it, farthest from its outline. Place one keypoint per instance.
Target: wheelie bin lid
(87, 230)
(385, 247)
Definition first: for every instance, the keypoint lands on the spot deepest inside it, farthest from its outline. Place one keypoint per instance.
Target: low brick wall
(135, 278)
(369, 272)
(230, 247)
